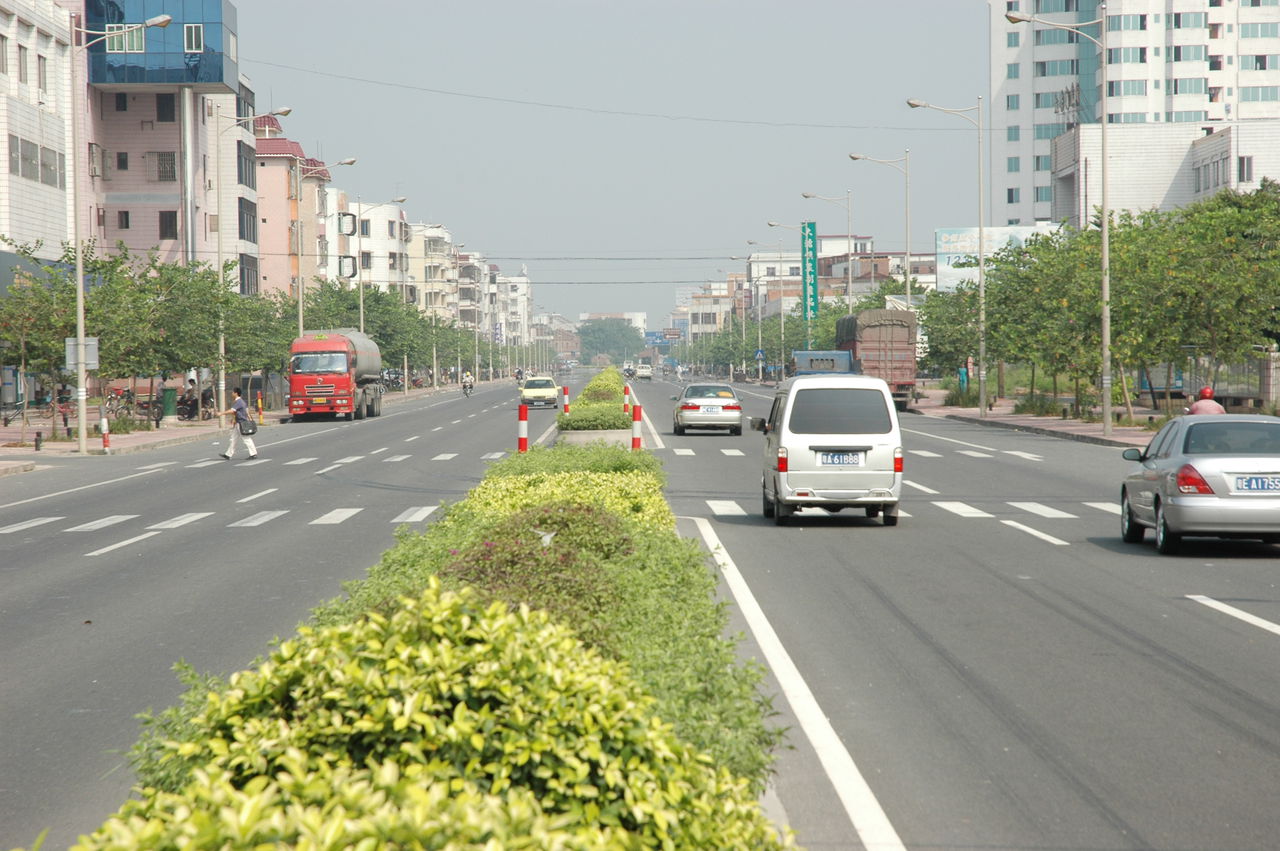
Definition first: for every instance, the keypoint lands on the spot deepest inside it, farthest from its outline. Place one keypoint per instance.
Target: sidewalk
(23, 458)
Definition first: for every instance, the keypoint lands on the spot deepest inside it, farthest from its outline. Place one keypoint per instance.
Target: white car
(644, 370)
(539, 391)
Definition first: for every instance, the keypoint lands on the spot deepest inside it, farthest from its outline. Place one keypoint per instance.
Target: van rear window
(839, 410)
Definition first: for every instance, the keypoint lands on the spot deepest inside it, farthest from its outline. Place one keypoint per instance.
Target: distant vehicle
(335, 372)
(644, 371)
(707, 406)
(883, 344)
(539, 391)
(1212, 475)
(820, 362)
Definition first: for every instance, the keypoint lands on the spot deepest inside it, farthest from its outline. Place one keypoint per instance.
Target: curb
(16, 468)
(1081, 438)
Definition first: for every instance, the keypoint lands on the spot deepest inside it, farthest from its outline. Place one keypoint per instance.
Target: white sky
(689, 124)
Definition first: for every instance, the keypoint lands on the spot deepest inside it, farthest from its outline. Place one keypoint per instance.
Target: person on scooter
(1205, 403)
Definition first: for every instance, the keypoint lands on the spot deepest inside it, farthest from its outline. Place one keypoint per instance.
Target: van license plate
(841, 459)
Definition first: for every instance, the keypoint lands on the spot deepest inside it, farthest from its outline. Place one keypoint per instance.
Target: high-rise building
(1206, 63)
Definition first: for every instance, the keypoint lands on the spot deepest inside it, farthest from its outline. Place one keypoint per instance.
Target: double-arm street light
(905, 168)
(77, 112)
(1101, 42)
(915, 103)
(301, 173)
(361, 210)
(847, 203)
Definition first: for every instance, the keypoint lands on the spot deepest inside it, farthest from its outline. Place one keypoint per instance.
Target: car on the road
(538, 391)
(1211, 475)
(707, 406)
(644, 370)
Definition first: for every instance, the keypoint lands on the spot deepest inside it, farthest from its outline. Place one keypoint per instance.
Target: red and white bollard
(626, 398)
(564, 393)
(522, 430)
(106, 435)
(635, 428)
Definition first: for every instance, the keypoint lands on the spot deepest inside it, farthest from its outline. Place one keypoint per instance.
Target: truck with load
(334, 372)
(884, 342)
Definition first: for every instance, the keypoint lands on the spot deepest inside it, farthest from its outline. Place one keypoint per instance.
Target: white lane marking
(327, 469)
(181, 520)
(200, 464)
(963, 509)
(95, 525)
(919, 486)
(445, 456)
(1109, 507)
(157, 466)
(972, 453)
(949, 439)
(415, 515)
(1252, 620)
(81, 488)
(1036, 532)
(455, 422)
(30, 524)
(493, 456)
(470, 416)
(338, 515)
(653, 432)
(725, 508)
(924, 453)
(542, 437)
(257, 519)
(125, 543)
(295, 462)
(409, 439)
(860, 804)
(349, 459)
(682, 451)
(1043, 510)
(258, 494)
(376, 451)
(731, 451)
(437, 428)
(252, 462)
(395, 459)
(1030, 456)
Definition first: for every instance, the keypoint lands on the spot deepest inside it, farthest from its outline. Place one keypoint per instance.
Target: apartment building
(433, 270)
(382, 246)
(1203, 63)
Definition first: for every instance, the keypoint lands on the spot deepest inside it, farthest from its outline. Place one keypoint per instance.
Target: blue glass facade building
(198, 49)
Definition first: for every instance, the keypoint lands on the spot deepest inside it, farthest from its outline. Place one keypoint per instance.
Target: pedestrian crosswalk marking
(683, 451)
(338, 515)
(492, 456)
(963, 509)
(181, 520)
(258, 494)
(731, 451)
(257, 519)
(29, 524)
(395, 459)
(409, 439)
(125, 543)
(1109, 507)
(437, 428)
(252, 462)
(377, 451)
(918, 486)
(324, 470)
(445, 456)
(298, 461)
(415, 515)
(725, 508)
(157, 466)
(1043, 510)
(973, 453)
(924, 453)
(1030, 456)
(200, 464)
(1058, 542)
(103, 523)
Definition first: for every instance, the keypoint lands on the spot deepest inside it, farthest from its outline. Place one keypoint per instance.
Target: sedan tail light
(691, 407)
(897, 459)
(1190, 480)
(782, 460)
(731, 408)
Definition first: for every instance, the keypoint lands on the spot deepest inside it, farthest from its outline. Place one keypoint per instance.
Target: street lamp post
(848, 246)
(1105, 294)
(905, 168)
(361, 210)
(982, 243)
(300, 174)
(82, 372)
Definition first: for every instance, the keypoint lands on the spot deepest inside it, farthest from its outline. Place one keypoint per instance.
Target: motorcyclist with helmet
(1205, 403)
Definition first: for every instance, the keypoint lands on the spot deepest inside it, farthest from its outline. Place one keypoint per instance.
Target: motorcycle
(467, 388)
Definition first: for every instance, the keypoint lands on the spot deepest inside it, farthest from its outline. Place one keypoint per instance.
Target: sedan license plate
(1258, 483)
(711, 409)
(841, 459)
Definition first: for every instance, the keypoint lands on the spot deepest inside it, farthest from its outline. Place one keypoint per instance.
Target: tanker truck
(334, 372)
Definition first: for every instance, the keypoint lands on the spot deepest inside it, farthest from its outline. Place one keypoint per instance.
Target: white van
(832, 442)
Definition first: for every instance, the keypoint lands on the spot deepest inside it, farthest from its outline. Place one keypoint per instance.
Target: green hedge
(594, 417)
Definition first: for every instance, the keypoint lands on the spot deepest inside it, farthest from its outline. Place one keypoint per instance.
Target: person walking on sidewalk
(242, 426)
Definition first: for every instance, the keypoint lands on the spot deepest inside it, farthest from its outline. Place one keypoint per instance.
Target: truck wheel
(349, 416)
(358, 407)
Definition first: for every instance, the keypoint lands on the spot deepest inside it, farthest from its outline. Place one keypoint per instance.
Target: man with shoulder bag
(242, 427)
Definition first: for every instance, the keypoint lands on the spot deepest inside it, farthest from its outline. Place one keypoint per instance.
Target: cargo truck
(884, 343)
(335, 372)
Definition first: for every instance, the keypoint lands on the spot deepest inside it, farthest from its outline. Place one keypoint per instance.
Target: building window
(1188, 86)
(49, 167)
(391, 261)
(1048, 131)
(364, 230)
(1045, 100)
(1044, 194)
(1126, 118)
(1270, 29)
(30, 160)
(1012, 133)
(1047, 7)
(1268, 62)
(1058, 68)
(193, 38)
(391, 229)
(122, 102)
(1013, 164)
(42, 73)
(1118, 23)
(168, 224)
(1120, 88)
(1012, 71)
(122, 219)
(1244, 169)
(130, 38)
(245, 174)
(1126, 55)
(248, 274)
(1186, 116)
(166, 166)
(1044, 162)
(366, 260)
(1256, 3)
(4, 54)
(1259, 93)
(1056, 36)
(122, 160)
(1011, 39)
(22, 64)
(248, 226)
(1187, 20)
(1013, 195)
(1012, 102)
(1188, 53)
(166, 107)
(1011, 5)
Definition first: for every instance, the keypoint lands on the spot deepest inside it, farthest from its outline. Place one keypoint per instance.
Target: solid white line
(732, 451)
(181, 520)
(1036, 532)
(349, 459)
(95, 525)
(725, 508)
(963, 509)
(1109, 507)
(395, 459)
(1043, 510)
(258, 494)
(415, 515)
(327, 469)
(949, 439)
(297, 461)
(653, 432)
(1252, 620)
(919, 486)
(860, 804)
(81, 488)
(30, 524)
(924, 453)
(257, 519)
(679, 451)
(133, 540)
(972, 453)
(338, 515)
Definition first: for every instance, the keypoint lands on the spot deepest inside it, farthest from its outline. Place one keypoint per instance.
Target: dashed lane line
(252, 497)
(124, 543)
(415, 515)
(29, 524)
(257, 519)
(95, 525)
(338, 515)
(1043, 510)
(1035, 532)
(919, 487)
(962, 509)
(181, 520)
(298, 461)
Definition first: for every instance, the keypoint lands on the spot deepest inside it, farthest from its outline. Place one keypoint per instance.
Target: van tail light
(782, 460)
(1190, 480)
(897, 459)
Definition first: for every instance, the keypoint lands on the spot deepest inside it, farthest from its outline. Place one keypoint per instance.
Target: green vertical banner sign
(809, 265)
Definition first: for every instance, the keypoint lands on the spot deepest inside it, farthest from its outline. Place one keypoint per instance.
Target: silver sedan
(1212, 475)
(707, 406)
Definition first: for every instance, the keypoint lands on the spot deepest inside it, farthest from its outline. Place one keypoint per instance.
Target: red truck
(335, 372)
(884, 341)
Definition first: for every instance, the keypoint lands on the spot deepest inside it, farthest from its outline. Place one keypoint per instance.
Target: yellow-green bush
(442, 694)
(633, 495)
(594, 417)
(605, 386)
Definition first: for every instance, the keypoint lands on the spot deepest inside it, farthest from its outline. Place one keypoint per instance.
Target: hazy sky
(618, 148)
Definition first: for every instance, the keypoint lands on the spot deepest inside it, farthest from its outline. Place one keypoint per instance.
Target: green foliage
(967, 398)
(631, 494)
(1038, 404)
(615, 338)
(598, 457)
(586, 417)
(606, 386)
(447, 694)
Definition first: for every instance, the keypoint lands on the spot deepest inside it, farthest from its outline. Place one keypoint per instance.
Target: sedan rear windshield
(709, 392)
(1233, 438)
(539, 383)
(840, 410)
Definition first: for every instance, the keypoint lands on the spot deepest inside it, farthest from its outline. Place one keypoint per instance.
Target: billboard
(956, 245)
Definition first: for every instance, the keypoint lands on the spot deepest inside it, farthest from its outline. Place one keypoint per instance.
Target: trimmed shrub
(606, 386)
(633, 495)
(598, 457)
(594, 417)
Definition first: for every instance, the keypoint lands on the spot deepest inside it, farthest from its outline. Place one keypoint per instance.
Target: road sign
(90, 352)
(809, 260)
(759, 354)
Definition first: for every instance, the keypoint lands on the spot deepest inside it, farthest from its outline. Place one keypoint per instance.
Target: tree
(616, 338)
